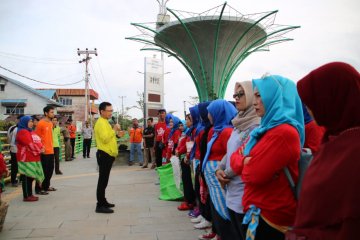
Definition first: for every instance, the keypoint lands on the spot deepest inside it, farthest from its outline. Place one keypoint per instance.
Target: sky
(39, 39)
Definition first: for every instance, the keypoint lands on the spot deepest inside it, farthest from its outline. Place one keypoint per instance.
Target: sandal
(42, 192)
(51, 189)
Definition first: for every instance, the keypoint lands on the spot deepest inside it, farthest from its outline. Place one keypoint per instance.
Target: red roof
(77, 92)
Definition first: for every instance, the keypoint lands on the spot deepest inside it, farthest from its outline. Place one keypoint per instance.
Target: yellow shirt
(105, 137)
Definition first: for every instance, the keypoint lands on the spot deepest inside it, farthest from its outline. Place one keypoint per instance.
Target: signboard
(154, 86)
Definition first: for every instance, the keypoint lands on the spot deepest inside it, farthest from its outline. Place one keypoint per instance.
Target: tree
(139, 103)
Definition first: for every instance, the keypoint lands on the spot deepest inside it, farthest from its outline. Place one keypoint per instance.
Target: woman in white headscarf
(244, 122)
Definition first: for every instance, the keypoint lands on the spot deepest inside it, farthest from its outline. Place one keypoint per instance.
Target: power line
(94, 88)
(53, 84)
(96, 80)
(102, 75)
(36, 58)
(37, 61)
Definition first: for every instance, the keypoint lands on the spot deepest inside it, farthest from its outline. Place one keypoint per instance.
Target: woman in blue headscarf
(204, 219)
(183, 152)
(220, 114)
(313, 132)
(28, 156)
(173, 136)
(268, 200)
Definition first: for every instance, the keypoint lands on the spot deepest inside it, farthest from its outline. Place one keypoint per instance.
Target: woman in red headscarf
(329, 203)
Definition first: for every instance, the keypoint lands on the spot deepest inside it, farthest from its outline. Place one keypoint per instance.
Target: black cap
(161, 110)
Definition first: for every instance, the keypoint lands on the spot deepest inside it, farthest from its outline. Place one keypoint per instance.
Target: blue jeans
(136, 147)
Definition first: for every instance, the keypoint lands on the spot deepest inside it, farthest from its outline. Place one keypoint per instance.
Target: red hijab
(329, 203)
(332, 94)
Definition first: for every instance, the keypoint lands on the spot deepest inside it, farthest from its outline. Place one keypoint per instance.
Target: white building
(18, 98)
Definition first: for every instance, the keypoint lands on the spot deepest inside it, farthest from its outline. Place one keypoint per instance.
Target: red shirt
(2, 164)
(313, 136)
(197, 142)
(266, 185)
(173, 141)
(29, 146)
(160, 128)
(72, 131)
(219, 147)
(181, 149)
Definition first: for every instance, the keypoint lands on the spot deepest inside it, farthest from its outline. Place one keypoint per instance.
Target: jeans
(136, 147)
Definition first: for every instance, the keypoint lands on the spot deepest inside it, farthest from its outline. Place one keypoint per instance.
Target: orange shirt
(44, 131)
(72, 131)
(135, 135)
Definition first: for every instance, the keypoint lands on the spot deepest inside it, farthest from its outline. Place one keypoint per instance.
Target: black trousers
(105, 162)
(86, 147)
(72, 141)
(14, 167)
(223, 227)
(57, 159)
(47, 162)
(189, 192)
(26, 185)
(236, 221)
(158, 154)
(264, 231)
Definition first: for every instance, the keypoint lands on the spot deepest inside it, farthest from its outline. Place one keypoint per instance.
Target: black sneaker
(103, 209)
(109, 205)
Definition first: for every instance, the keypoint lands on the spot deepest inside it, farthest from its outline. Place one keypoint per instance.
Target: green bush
(4, 125)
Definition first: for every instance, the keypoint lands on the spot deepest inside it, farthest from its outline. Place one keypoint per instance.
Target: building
(19, 98)
(74, 103)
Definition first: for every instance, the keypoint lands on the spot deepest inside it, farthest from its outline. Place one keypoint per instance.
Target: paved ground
(69, 213)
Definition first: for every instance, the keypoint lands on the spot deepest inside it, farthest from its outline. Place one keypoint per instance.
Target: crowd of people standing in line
(238, 152)
(35, 150)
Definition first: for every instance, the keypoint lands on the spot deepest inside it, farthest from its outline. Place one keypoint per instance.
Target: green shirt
(56, 136)
(105, 137)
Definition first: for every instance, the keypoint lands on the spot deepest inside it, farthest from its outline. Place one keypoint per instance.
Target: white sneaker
(197, 219)
(203, 224)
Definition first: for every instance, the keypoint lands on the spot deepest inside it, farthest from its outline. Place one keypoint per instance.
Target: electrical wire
(52, 84)
(102, 75)
(36, 58)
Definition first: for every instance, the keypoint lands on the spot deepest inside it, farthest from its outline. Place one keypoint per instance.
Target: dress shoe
(103, 209)
(109, 205)
(58, 173)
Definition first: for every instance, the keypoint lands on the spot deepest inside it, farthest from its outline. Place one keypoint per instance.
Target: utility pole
(87, 58)
(122, 108)
(184, 109)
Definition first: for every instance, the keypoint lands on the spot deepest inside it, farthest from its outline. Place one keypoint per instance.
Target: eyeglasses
(239, 94)
(108, 110)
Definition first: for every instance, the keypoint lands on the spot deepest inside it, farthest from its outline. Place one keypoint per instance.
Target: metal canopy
(212, 44)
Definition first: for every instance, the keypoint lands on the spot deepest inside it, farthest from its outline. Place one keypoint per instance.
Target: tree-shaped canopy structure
(212, 44)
